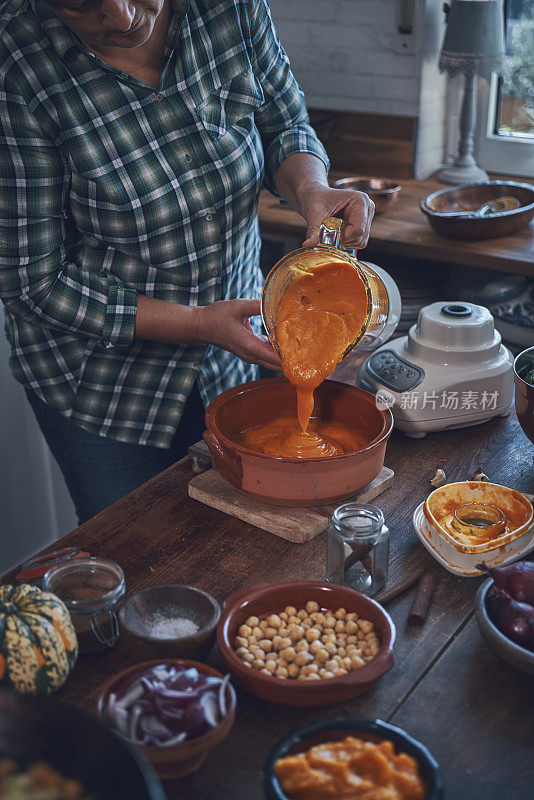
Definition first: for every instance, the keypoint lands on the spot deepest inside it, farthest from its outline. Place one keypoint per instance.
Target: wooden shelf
(404, 231)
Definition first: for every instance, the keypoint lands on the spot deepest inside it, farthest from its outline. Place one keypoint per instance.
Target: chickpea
(302, 646)
(312, 634)
(319, 618)
(257, 632)
(274, 621)
(245, 630)
(263, 624)
(307, 669)
(351, 648)
(290, 610)
(293, 670)
(265, 671)
(307, 623)
(341, 613)
(240, 641)
(281, 672)
(330, 648)
(257, 664)
(346, 663)
(241, 651)
(361, 635)
(271, 666)
(330, 632)
(311, 606)
(247, 657)
(331, 665)
(296, 632)
(283, 616)
(357, 661)
(252, 622)
(247, 664)
(316, 646)
(256, 651)
(352, 640)
(366, 626)
(302, 614)
(303, 658)
(330, 620)
(341, 652)
(294, 620)
(266, 645)
(328, 674)
(270, 632)
(322, 656)
(351, 627)
(339, 626)
(373, 650)
(288, 653)
(341, 671)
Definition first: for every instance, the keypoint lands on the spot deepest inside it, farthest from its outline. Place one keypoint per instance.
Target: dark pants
(98, 471)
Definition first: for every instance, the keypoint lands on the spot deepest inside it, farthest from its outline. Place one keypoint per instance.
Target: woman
(135, 136)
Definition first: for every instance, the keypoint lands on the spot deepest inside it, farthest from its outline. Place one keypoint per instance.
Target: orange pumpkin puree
(349, 770)
(320, 315)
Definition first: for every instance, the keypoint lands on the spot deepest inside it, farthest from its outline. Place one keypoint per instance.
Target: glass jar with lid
(92, 589)
(358, 548)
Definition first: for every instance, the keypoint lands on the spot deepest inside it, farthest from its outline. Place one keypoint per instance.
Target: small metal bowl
(336, 729)
(471, 196)
(383, 192)
(509, 651)
(139, 611)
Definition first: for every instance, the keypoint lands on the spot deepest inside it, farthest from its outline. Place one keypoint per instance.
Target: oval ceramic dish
(437, 208)
(179, 759)
(335, 729)
(509, 651)
(295, 481)
(263, 600)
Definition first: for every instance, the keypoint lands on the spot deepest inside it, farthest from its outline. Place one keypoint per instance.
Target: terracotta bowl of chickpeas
(305, 644)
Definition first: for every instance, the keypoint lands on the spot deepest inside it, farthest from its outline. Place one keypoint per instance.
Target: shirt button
(209, 217)
(188, 158)
(159, 98)
(214, 273)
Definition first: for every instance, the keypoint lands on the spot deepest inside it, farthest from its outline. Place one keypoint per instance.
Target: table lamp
(473, 46)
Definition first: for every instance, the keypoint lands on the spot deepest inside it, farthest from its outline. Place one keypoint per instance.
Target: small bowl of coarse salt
(171, 620)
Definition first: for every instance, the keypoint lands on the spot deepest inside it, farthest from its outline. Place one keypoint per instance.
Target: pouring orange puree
(320, 315)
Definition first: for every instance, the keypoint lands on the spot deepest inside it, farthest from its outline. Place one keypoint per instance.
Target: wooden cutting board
(297, 525)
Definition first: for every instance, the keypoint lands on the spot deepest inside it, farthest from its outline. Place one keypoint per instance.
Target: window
(505, 131)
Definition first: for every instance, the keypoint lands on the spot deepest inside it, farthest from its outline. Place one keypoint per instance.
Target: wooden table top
(447, 688)
(403, 230)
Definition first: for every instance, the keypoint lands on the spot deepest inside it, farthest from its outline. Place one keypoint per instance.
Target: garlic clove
(439, 479)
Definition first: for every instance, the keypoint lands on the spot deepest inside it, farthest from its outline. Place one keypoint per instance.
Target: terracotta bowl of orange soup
(262, 601)
(335, 730)
(296, 481)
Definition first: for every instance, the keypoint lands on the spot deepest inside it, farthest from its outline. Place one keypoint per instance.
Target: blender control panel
(394, 372)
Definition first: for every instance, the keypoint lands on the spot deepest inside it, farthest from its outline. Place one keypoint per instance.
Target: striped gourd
(38, 645)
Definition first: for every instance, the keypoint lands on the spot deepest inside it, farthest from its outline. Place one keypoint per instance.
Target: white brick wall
(347, 56)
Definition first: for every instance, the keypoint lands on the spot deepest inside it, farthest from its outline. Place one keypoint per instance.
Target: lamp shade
(474, 40)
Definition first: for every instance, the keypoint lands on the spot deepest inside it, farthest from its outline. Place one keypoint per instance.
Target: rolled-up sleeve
(282, 121)
(38, 283)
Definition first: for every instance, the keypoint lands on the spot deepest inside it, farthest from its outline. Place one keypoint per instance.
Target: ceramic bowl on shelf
(263, 600)
(337, 729)
(76, 745)
(438, 206)
(382, 191)
(180, 759)
(509, 651)
(171, 620)
(295, 481)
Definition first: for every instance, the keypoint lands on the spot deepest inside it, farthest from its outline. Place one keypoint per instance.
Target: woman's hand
(226, 324)
(355, 208)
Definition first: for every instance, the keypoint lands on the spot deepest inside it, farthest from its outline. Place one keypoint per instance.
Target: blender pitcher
(383, 299)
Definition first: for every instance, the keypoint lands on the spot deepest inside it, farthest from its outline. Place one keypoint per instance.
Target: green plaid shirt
(110, 188)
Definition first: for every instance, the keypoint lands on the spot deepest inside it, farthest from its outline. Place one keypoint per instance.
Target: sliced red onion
(165, 706)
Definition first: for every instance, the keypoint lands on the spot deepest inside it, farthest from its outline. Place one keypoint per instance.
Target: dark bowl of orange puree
(349, 412)
(334, 730)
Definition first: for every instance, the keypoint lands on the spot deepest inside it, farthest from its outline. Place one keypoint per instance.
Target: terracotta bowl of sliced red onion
(174, 711)
(169, 621)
